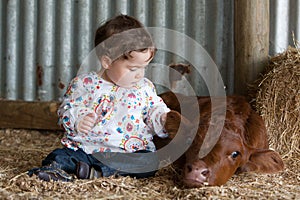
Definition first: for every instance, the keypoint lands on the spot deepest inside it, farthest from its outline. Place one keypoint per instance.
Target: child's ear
(105, 62)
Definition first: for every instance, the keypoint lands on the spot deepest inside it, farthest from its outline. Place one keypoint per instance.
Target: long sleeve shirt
(126, 119)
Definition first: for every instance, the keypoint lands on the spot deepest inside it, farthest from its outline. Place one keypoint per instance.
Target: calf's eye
(235, 154)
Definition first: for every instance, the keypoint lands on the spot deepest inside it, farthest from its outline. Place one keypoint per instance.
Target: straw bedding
(23, 149)
(278, 101)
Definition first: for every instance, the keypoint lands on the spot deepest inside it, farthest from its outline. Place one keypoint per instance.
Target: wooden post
(251, 41)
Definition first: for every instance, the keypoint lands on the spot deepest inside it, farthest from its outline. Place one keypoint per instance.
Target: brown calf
(241, 147)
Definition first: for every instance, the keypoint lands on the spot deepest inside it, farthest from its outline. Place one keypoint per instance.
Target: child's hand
(86, 123)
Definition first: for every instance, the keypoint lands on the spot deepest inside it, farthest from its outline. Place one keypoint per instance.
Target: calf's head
(229, 156)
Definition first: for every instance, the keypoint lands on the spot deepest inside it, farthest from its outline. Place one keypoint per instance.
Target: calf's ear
(173, 121)
(265, 161)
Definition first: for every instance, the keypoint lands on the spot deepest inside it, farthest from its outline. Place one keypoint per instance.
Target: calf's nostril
(205, 172)
(189, 167)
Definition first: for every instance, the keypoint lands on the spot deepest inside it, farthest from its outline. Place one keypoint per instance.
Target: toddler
(113, 110)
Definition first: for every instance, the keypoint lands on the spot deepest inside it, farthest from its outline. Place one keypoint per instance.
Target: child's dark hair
(139, 36)
(115, 25)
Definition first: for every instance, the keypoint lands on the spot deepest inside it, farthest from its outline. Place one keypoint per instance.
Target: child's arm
(163, 121)
(156, 111)
(74, 112)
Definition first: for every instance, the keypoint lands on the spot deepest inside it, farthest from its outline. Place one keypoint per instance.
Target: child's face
(127, 72)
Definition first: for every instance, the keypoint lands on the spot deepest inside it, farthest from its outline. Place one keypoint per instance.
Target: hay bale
(278, 101)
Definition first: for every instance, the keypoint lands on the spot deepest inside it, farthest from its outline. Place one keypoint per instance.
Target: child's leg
(126, 164)
(67, 159)
(59, 164)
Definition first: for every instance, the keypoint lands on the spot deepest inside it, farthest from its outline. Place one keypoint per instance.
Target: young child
(113, 110)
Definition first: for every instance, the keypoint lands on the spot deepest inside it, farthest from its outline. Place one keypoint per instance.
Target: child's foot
(55, 175)
(51, 172)
(85, 171)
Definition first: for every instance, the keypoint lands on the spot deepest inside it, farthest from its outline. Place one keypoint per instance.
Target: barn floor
(23, 149)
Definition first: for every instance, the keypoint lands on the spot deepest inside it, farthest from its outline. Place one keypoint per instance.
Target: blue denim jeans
(137, 166)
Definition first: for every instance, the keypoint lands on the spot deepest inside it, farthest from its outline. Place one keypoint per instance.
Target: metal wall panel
(28, 50)
(12, 49)
(284, 21)
(43, 43)
(2, 45)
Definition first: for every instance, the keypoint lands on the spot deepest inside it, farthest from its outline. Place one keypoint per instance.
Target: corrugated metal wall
(285, 21)
(43, 42)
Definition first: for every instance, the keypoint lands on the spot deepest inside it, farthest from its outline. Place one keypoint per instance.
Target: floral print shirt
(126, 119)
